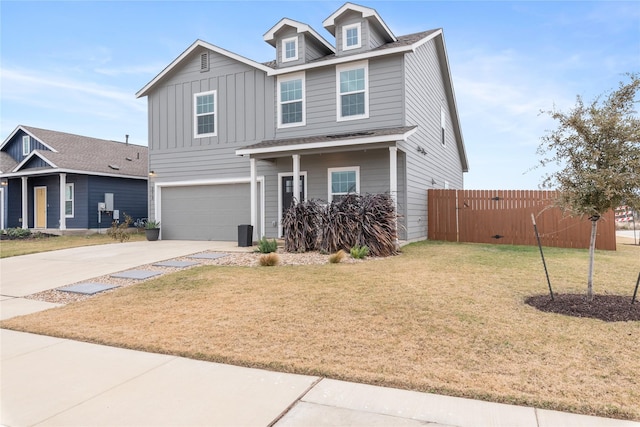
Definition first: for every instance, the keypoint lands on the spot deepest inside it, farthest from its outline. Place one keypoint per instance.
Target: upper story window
(343, 181)
(291, 108)
(68, 200)
(351, 37)
(205, 114)
(26, 145)
(290, 49)
(353, 91)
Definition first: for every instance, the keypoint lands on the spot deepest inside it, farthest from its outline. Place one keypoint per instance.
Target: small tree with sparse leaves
(597, 147)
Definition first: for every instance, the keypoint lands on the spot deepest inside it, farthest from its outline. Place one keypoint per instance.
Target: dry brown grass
(9, 248)
(445, 318)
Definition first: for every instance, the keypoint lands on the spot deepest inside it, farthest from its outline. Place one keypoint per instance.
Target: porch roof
(363, 137)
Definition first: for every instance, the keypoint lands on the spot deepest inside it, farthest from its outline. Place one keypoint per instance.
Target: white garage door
(204, 212)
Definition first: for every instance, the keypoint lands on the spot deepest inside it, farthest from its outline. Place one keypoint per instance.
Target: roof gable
(183, 56)
(367, 13)
(75, 153)
(300, 28)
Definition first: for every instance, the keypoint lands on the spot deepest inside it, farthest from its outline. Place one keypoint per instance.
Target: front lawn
(442, 317)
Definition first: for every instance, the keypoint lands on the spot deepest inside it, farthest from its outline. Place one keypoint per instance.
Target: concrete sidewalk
(48, 381)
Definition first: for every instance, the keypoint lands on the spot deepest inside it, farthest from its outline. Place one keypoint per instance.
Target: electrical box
(116, 214)
(102, 207)
(108, 201)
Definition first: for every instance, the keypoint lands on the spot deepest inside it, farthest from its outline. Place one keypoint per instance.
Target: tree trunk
(592, 250)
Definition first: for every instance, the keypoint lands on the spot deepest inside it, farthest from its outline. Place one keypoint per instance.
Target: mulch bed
(610, 308)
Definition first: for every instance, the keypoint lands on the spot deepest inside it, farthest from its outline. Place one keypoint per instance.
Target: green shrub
(266, 246)
(337, 257)
(359, 252)
(18, 233)
(269, 260)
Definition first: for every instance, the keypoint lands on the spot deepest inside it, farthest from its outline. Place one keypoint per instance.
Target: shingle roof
(402, 41)
(92, 155)
(348, 138)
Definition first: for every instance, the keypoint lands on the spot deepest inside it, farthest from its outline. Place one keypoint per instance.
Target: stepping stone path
(175, 264)
(208, 255)
(136, 274)
(87, 288)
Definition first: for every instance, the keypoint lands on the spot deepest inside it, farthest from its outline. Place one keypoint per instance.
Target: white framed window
(205, 117)
(291, 100)
(26, 145)
(69, 197)
(443, 124)
(343, 181)
(353, 91)
(290, 49)
(351, 36)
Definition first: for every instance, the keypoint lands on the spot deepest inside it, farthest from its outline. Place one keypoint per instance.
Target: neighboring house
(55, 180)
(233, 141)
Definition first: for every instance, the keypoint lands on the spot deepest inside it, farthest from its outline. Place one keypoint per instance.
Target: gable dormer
(296, 43)
(21, 143)
(357, 29)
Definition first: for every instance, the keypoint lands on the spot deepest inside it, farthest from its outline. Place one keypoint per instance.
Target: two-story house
(58, 182)
(233, 141)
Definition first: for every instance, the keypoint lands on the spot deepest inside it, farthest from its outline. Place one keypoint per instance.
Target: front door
(40, 208)
(287, 191)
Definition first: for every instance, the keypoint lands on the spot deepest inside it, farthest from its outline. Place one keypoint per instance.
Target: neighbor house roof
(78, 154)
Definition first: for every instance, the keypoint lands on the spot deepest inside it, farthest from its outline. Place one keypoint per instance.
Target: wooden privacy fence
(504, 217)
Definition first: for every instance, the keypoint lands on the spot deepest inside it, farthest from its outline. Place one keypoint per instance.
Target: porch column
(63, 216)
(253, 185)
(393, 183)
(296, 178)
(25, 203)
(393, 175)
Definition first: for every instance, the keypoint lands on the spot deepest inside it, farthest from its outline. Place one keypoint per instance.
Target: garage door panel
(205, 212)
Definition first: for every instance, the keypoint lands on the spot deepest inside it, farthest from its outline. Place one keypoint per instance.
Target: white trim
(195, 45)
(62, 198)
(328, 144)
(366, 12)
(215, 114)
(300, 27)
(73, 200)
(25, 201)
(35, 206)
(15, 131)
(2, 227)
(287, 78)
(55, 171)
(346, 28)
(304, 191)
(348, 67)
(26, 143)
(157, 189)
(342, 169)
(29, 157)
(356, 57)
(283, 49)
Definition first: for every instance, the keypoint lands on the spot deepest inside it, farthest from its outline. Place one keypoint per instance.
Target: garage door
(204, 212)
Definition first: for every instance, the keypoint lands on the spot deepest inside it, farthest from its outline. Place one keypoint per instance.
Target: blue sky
(76, 66)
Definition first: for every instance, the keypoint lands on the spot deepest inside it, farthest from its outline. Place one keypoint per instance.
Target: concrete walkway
(48, 381)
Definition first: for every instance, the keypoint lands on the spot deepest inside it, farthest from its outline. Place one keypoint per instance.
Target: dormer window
(351, 37)
(26, 145)
(290, 49)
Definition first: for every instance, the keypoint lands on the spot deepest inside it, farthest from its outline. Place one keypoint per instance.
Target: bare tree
(597, 149)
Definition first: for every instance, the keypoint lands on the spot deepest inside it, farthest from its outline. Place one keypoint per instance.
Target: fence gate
(504, 217)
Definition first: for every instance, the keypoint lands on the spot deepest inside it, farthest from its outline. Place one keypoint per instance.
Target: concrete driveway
(29, 274)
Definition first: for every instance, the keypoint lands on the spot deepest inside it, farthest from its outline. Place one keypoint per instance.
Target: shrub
(337, 257)
(269, 260)
(151, 224)
(18, 233)
(359, 252)
(267, 246)
(120, 231)
(368, 220)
